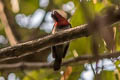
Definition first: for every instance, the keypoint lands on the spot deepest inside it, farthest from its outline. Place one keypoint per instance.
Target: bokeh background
(31, 19)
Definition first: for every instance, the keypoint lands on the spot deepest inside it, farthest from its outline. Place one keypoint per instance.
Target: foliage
(82, 45)
(28, 6)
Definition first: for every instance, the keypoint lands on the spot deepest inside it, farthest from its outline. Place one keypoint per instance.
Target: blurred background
(25, 20)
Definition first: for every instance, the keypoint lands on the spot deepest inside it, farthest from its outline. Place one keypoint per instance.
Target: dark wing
(53, 48)
(66, 45)
(66, 49)
(57, 52)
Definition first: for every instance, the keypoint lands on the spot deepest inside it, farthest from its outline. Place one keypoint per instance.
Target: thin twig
(34, 65)
(92, 69)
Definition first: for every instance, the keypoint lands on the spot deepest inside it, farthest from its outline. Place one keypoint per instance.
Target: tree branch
(43, 43)
(29, 47)
(80, 59)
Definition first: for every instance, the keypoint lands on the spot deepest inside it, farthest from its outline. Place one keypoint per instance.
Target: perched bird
(59, 51)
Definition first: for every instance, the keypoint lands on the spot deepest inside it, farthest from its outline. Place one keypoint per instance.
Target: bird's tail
(57, 64)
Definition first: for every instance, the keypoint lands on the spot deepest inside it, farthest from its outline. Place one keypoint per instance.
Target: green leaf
(99, 7)
(44, 74)
(28, 6)
(118, 38)
(108, 75)
(78, 17)
(117, 63)
(81, 45)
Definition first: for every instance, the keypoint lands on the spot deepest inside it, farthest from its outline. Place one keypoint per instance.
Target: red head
(61, 21)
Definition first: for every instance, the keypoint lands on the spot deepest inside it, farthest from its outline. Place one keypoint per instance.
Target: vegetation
(25, 40)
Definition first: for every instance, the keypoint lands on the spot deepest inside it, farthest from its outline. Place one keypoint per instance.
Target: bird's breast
(59, 28)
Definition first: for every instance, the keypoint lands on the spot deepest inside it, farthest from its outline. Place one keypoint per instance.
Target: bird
(59, 51)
